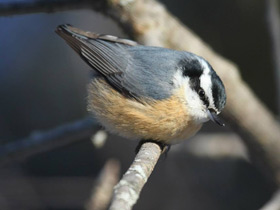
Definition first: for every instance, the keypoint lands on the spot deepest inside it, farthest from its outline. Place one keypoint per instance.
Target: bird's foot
(164, 147)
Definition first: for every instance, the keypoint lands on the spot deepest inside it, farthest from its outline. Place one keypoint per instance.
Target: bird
(146, 92)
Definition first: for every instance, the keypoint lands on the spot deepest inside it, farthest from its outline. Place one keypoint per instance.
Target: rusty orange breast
(165, 120)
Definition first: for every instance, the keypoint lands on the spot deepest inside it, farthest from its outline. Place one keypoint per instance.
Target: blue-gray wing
(133, 70)
(152, 70)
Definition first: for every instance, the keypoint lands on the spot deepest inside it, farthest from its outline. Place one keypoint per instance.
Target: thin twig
(103, 191)
(39, 142)
(127, 191)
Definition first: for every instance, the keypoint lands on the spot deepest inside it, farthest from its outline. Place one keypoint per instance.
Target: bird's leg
(164, 147)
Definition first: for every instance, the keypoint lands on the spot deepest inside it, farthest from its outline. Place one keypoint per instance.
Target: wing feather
(110, 59)
(134, 70)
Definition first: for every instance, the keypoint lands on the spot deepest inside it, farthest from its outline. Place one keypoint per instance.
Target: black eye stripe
(205, 100)
(203, 96)
(193, 69)
(195, 85)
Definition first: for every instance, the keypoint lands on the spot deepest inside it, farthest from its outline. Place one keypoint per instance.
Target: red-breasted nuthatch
(145, 92)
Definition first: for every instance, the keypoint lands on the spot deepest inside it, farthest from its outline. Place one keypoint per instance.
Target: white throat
(194, 105)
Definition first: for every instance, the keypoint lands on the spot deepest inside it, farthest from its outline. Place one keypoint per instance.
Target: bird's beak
(213, 116)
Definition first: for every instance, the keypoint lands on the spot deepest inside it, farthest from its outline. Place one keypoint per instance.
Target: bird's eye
(201, 93)
(203, 97)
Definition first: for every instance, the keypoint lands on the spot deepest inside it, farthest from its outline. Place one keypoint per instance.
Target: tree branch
(39, 142)
(103, 191)
(215, 145)
(127, 191)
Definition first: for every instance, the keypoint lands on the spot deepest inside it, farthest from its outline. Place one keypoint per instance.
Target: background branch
(127, 191)
(39, 142)
(103, 190)
(273, 23)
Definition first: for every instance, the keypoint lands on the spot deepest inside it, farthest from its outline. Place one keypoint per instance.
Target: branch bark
(127, 191)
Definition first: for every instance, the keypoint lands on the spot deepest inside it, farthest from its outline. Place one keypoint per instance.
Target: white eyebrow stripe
(206, 82)
(205, 66)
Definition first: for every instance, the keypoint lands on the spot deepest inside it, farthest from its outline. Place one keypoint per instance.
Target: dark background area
(43, 85)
